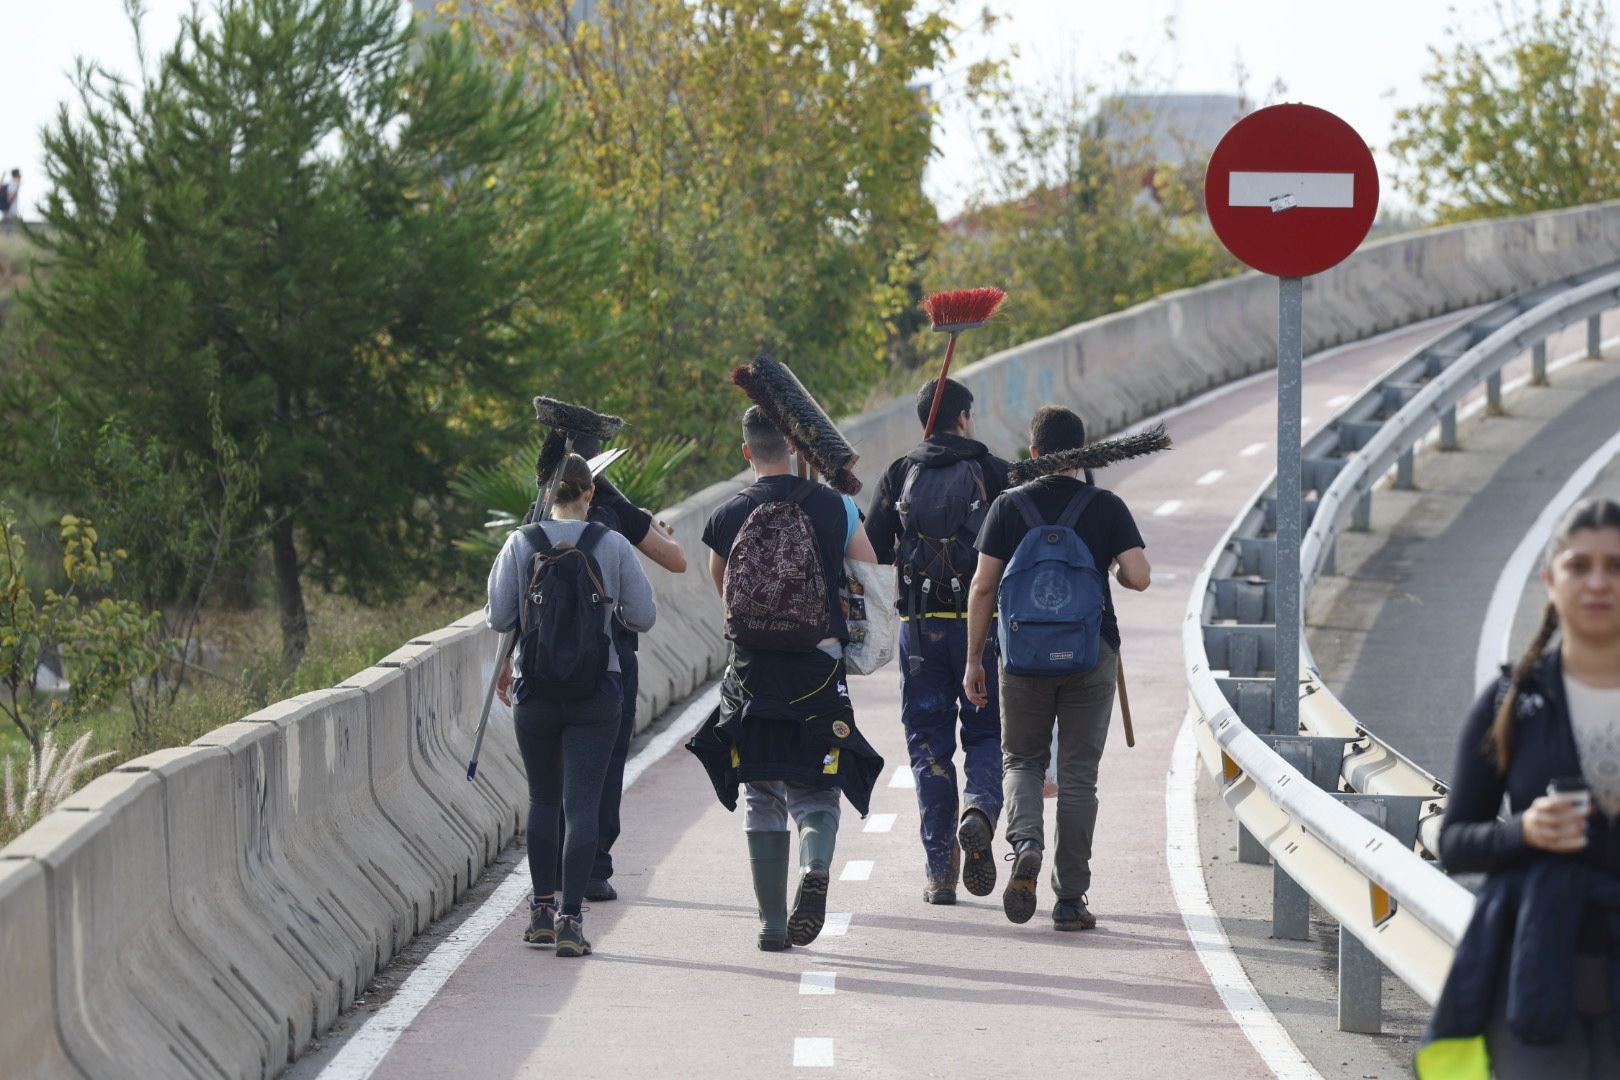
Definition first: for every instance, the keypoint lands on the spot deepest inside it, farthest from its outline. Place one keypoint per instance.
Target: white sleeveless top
(1594, 714)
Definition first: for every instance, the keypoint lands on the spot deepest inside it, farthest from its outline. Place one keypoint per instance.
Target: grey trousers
(1587, 1049)
(1079, 706)
(768, 804)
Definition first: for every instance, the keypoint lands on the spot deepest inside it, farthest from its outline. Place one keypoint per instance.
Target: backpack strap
(806, 489)
(1026, 506)
(535, 534)
(1077, 506)
(591, 537)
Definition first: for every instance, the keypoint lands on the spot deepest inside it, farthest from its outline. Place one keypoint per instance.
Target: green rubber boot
(768, 860)
(818, 836)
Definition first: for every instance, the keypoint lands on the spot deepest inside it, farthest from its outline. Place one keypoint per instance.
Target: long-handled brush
(952, 313)
(802, 421)
(1095, 455)
(567, 423)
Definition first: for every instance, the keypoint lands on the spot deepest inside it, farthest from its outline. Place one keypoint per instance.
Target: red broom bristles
(963, 308)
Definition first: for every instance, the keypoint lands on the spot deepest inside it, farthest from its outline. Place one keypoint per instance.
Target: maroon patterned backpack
(775, 589)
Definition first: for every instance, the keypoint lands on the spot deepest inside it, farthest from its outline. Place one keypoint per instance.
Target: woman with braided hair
(1531, 992)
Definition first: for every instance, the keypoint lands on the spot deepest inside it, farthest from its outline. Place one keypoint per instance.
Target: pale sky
(1360, 60)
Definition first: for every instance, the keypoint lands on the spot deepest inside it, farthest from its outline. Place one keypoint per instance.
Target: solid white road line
(837, 924)
(902, 777)
(879, 822)
(366, 1048)
(1270, 1040)
(1168, 508)
(857, 870)
(813, 1053)
(1211, 477)
(1252, 449)
(1493, 646)
(818, 982)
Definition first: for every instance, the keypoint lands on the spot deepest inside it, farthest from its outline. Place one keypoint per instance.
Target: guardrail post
(1594, 338)
(1493, 393)
(1290, 908)
(1250, 849)
(1405, 473)
(1361, 987)
(1538, 364)
(1448, 429)
(1361, 516)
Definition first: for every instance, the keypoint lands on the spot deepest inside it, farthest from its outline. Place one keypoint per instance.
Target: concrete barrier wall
(207, 911)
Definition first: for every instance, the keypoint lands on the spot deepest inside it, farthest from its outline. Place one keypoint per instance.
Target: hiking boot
(818, 835)
(1018, 901)
(768, 863)
(978, 867)
(598, 892)
(542, 923)
(943, 890)
(571, 937)
(1073, 915)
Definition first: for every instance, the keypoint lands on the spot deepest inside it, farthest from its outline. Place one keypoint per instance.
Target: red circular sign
(1291, 190)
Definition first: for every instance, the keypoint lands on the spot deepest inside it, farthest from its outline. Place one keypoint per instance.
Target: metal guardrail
(1346, 819)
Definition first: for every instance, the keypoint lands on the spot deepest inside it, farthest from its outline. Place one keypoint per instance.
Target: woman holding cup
(1534, 973)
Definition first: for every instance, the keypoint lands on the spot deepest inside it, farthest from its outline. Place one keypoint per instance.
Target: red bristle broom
(951, 313)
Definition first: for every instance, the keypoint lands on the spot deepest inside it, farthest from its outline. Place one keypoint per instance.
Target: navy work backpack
(1051, 596)
(563, 643)
(941, 509)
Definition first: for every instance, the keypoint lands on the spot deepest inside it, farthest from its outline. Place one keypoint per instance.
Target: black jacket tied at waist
(1525, 932)
(786, 717)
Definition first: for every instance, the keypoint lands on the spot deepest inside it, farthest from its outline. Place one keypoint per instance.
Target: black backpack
(941, 511)
(563, 643)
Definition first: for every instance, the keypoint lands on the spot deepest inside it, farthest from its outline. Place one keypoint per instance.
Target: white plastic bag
(868, 596)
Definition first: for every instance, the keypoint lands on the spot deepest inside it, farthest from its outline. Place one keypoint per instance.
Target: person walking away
(925, 520)
(1043, 553)
(10, 198)
(611, 509)
(785, 728)
(562, 583)
(1531, 990)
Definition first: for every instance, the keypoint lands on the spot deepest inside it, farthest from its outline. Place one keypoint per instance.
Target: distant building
(1169, 131)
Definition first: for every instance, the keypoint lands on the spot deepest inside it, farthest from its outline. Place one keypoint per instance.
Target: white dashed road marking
(837, 924)
(1211, 477)
(1252, 449)
(902, 777)
(1168, 508)
(813, 1053)
(1336, 402)
(857, 870)
(818, 982)
(879, 823)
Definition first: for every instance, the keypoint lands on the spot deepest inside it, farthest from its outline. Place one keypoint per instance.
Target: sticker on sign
(1273, 189)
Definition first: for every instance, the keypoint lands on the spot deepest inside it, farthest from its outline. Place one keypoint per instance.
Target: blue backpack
(1051, 596)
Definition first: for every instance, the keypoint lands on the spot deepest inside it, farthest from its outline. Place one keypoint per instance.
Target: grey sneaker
(542, 924)
(571, 937)
(1073, 915)
(1018, 901)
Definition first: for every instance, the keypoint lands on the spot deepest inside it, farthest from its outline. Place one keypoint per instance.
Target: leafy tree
(1074, 218)
(768, 157)
(356, 240)
(1523, 122)
(105, 643)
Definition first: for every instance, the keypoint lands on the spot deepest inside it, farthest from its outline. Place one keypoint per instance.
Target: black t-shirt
(1106, 527)
(828, 516)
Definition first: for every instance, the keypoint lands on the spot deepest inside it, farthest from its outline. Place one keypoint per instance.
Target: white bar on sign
(1283, 190)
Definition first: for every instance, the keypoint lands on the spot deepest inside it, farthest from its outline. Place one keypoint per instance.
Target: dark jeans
(566, 746)
(931, 702)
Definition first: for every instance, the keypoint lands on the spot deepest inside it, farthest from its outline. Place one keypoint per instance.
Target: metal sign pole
(1290, 485)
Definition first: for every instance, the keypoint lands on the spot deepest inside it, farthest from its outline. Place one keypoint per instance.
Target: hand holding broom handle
(951, 313)
(566, 422)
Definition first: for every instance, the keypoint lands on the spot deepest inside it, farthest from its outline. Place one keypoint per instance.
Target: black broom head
(1095, 455)
(790, 408)
(575, 420)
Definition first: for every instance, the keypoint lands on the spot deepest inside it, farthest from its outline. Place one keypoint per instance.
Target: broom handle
(939, 389)
(1124, 701)
(509, 638)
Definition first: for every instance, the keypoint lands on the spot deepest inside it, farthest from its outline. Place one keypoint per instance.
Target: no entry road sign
(1291, 190)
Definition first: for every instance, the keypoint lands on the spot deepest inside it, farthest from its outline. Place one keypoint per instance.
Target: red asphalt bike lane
(676, 987)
